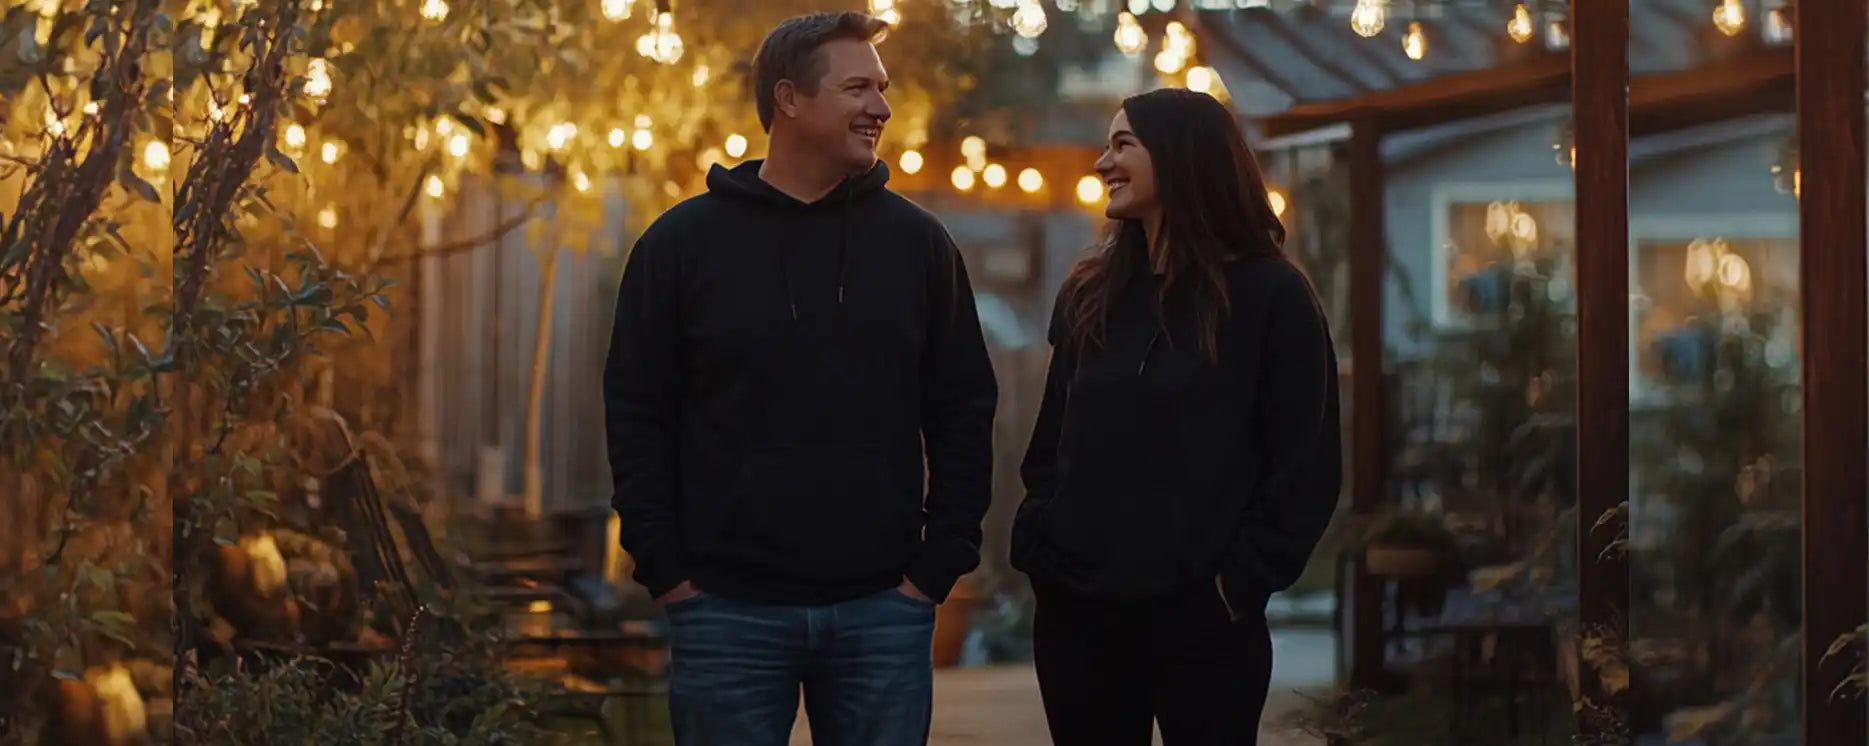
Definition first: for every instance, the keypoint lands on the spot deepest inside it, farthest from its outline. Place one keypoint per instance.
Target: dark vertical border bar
(1833, 239)
(1369, 457)
(1600, 122)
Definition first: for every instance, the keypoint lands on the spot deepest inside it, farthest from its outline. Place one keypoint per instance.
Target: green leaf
(283, 161)
(129, 180)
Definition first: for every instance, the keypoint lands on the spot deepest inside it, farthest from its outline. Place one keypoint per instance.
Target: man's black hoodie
(774, 371)
(1152, 470)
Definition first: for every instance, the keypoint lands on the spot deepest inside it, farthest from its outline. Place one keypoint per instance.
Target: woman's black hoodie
(774, 370)
(1151, 469)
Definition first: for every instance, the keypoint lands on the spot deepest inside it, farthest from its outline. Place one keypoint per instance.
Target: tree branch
(469, 244)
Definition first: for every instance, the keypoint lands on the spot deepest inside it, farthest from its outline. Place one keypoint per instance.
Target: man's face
(844, 119)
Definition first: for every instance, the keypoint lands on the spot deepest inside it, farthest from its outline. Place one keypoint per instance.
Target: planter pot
(1401, 561)
(950, 632)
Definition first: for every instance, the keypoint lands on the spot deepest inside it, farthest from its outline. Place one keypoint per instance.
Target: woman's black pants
(1108, 669)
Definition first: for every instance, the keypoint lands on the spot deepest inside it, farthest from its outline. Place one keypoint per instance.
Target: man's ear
(785, 98)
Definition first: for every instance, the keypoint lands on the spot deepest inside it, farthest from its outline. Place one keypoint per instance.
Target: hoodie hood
(742, 182)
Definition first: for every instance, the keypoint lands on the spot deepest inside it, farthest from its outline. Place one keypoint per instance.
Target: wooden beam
(1369, 455)
(1832, 235)
(1734, 87)
(1442, 99)
(1600, 123)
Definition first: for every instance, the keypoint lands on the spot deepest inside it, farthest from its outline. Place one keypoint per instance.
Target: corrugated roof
(1276, 58)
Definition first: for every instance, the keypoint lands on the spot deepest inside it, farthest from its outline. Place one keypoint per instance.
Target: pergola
(1627, 69)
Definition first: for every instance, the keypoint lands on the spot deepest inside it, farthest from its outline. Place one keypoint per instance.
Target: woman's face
(1129, 174)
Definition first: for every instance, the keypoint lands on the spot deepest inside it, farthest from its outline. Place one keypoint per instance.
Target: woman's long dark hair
(1214, 209)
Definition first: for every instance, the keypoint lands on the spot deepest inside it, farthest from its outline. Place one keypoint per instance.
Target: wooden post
(1600, 121)
(1833, 241)
(1369, 460)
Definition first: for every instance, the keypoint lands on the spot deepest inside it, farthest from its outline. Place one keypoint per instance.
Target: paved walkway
(999, 705)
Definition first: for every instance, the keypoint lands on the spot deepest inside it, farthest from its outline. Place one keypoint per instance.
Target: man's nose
(878, 108)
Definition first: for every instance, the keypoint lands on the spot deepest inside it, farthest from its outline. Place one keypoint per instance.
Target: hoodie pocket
(821, 512)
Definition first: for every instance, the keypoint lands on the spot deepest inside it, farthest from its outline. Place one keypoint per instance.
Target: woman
(1186, 457)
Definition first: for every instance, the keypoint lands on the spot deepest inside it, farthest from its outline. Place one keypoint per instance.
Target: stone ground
(999, 705)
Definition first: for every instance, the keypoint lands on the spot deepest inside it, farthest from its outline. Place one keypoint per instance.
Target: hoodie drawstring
(843, 271)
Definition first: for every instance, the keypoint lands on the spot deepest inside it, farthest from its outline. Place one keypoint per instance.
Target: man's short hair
(791, 52)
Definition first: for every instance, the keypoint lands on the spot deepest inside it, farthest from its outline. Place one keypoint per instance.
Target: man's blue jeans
(736, 670)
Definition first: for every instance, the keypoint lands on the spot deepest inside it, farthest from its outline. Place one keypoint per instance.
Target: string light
(560, 135)
(1130, 38)
(911, 162)
(317, 79)
(1729, 17)
(1030, 180)
(1089, 190)
(1520, 27)
(435, 187)
(1277, 199)
(662, 43)
(1029, 20)
(1415, 43)
(457, 145)
(617, 10)
(994, 176)
(434, 10)
(330, 152)
(1368, 17)
(1200, 78)
(962, 178)
(736, 145)
(327, 217)
(580, 182)
(618, 138)
(156, 155)
(642, 140)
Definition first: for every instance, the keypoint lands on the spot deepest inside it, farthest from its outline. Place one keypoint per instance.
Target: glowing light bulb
(994, 176)
(911, 162)
(560, 135)
(1415, 43)
(736, 145)
(1368, 17)
(1170, 61)
(617, 10)
(973, 146)
(435, 187)
(457, 145)
(1520, 28)
(580, 182)
(1029, 20)
(1030, 180)
(1200, 78)
(329, 153)
(642, 140)
(295, 136)
(1729, 17)
(1130, 38)
(1089, 190)
(156, 155)
(327, 217)
(434, 10)
(618, 137)
(1277, 199)
(317, 79)
(701, 75)
(962, 177)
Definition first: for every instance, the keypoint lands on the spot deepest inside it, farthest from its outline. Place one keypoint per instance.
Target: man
(788, 348)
